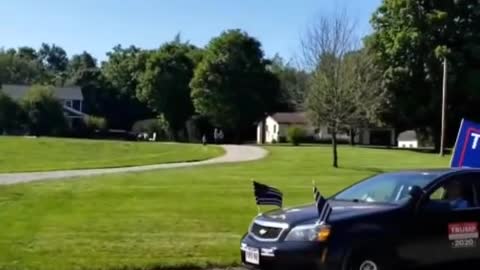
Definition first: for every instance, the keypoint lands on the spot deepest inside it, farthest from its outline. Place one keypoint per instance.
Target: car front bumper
(287, 255)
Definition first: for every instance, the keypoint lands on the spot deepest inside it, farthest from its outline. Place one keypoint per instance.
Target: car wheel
(368, 265)
(368, 262)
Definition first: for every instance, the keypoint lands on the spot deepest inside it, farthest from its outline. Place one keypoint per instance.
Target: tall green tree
(27, 53)
(55, 61)
(293, 84)
(44, 111)
(98, 95)
(54, 57)
(122, 71)
(410, 40)
(83, 61)
(80, 69)
(20, 68)
(164, 86)
(232, 85)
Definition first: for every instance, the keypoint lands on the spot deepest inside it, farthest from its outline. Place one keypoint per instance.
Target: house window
(274, 128)
(68, 103)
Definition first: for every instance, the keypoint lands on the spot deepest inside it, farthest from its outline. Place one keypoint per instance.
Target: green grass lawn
(19, 154)
(190, 216)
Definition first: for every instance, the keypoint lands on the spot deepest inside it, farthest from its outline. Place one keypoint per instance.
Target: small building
(70, 97)
(274, 128)
(408, 139)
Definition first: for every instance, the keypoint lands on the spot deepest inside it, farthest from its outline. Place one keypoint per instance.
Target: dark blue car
(395, 220)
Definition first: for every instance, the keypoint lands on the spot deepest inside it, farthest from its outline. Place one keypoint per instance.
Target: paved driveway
(233, 153)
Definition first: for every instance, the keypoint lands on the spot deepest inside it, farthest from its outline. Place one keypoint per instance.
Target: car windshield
(386, 188)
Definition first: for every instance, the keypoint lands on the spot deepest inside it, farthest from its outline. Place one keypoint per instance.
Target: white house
(408, 139)
(275, 129)
(70, 97)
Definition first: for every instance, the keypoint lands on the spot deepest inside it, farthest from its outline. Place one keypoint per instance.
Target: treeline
(229, 83)
(393, 78)
(410, 41)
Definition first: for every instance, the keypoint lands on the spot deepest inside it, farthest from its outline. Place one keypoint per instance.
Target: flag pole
(444, 105)
(258, 206)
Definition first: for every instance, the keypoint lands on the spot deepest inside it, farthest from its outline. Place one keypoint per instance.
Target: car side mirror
(416, 192)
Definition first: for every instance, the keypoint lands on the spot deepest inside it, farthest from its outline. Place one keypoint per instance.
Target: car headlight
(311, 232)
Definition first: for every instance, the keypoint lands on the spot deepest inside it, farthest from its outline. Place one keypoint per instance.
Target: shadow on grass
(302, 145)
(430, 151)
(424, 150)
(182, 267)
(363, 169)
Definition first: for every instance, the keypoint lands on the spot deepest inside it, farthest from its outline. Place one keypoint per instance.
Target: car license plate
(252, 255)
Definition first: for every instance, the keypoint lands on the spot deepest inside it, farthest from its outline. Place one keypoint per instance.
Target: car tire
(369, 261)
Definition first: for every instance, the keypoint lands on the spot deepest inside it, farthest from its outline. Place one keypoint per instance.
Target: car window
(385, 188)
(438, 194)
(475, 180)
(459, 193)
(383, 192)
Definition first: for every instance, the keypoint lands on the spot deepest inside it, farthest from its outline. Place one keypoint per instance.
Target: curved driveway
(233, 153)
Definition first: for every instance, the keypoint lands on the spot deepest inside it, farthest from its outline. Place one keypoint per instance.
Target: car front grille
(269, 232)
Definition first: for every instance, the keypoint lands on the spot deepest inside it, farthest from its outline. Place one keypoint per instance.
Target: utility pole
(444, 106)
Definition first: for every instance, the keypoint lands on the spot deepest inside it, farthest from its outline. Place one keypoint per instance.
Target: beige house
(274, 128)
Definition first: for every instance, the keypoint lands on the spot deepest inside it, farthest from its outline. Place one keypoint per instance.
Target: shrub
(295, 135)
(11, 114)
(197, 126)
(44, 111)
(158, 125)
(94, 123)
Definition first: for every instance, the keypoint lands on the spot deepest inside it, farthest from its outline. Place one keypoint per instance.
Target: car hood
(340, 210)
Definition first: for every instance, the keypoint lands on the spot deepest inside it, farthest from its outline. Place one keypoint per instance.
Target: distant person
(220, 136)
(154, 137)
(204, 139)
(215, 135)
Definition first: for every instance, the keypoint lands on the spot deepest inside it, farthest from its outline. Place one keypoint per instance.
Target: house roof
(409, 135)
(290, 118)
(16, 91)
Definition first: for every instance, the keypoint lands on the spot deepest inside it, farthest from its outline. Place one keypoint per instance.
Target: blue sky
(98, 25)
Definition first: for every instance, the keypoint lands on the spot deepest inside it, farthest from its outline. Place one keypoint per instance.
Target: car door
(438, 234)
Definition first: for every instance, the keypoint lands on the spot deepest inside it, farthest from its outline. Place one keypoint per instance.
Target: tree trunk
(436, 138)
(237, 139)
(174, 134)
(334, 145)
(185, 134)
